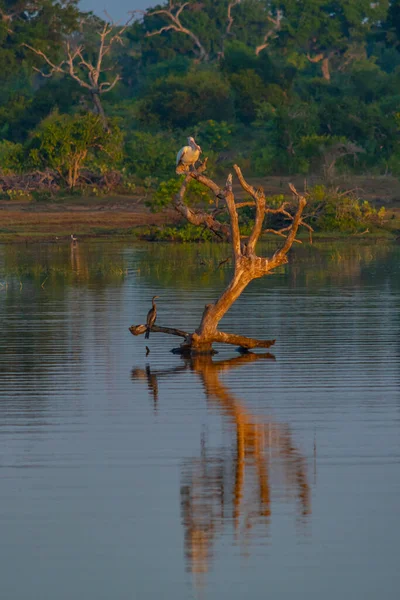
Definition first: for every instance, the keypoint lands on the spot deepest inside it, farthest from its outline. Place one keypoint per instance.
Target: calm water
(132, 477)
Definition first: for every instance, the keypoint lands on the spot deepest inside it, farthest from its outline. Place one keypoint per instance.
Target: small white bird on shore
(187, 156)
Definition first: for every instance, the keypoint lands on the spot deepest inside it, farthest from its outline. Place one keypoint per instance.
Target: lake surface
(133, 477)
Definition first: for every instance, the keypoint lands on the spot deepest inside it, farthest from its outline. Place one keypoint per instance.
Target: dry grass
(20, 222)
(94, 217)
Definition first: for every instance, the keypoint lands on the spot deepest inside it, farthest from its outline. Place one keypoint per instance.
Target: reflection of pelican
(151, 317)
(235, 487)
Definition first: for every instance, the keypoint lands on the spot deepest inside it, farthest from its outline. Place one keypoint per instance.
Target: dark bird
(151, 317)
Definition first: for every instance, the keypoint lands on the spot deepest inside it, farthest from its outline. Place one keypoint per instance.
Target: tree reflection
(234, 485)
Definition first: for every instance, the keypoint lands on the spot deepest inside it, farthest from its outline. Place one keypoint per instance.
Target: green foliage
(67, 143)
(328, 76)
(148, 154)
(215, 136)
(184, 100)
(11, 157)
(331, 211)
(185, 233)
(196, 193)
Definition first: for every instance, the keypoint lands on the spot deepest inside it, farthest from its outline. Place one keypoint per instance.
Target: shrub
(196, 193)
(331, 211)
(185, 100)
(150, 155)
(67, 143)
(11, 157)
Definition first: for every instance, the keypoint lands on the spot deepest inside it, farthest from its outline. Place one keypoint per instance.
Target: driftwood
(52, 181)
(28, 182)
(247, 265)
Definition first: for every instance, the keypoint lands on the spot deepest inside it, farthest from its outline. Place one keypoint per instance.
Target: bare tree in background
(271, 33)
(173, 15)
(88, 72)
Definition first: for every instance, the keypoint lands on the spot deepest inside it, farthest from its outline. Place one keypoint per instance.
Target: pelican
(74, 239)
(151, 317)
(187, 156)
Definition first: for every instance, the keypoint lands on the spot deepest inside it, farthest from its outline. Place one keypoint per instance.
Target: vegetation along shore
(93, 112)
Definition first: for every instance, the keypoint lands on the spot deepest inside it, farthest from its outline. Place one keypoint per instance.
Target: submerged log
(194, 341)
(247, 265)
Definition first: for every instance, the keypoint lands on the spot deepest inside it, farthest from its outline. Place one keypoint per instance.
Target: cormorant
(151, 317)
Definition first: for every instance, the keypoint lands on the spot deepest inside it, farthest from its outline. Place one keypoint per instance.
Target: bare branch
(200, 218)
(176, 25)
(54, 67)
(296, 222)
(140, 329)
(281, 232)
(260, 201)
(219, 336)
(230, 18)
(247, 265)
(246, 186)
(240, 340)
(271, 33)
(82, 70)
(317, 58)
(103, 89)
(235, 233)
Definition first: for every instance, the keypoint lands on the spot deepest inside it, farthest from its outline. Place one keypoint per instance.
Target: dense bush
(67, 144)
(185, 100)
(150, 155)
(328, 210)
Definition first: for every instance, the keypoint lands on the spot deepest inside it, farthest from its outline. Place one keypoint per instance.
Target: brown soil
(49, 221)
(93, 217)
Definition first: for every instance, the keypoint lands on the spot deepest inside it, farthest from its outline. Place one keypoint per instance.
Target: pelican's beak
(198, 148)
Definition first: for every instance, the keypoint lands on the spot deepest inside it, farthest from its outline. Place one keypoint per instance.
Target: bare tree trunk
(247, 265)
(325, 69)
(99, 108)
(324, 64)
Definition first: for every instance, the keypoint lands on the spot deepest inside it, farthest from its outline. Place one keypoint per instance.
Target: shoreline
(129, 218)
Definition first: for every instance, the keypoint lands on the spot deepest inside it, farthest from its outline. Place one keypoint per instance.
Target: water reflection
(233, 485)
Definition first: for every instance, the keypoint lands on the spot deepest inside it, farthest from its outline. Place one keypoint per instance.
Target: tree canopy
(276, 84)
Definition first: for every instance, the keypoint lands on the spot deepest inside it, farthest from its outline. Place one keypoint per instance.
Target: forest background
(282, 88)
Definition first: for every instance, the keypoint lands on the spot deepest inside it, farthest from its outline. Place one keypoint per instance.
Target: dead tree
(271, 33)
(173, 14)
(247, 265)
(20, 9)
(86, 72)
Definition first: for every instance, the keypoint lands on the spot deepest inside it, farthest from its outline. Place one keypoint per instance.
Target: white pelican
(187, 156)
